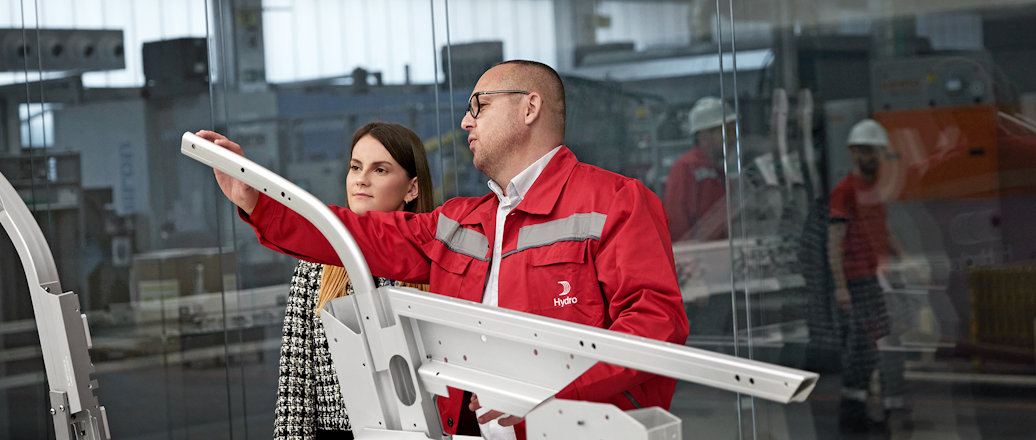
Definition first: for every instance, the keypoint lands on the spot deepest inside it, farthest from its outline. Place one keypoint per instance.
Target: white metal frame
(394, 348)
(64, 334)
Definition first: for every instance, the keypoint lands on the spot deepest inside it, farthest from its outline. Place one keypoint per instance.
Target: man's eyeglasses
(474, 106)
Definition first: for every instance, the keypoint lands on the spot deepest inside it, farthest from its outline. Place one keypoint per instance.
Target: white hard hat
(868, 132)
(708, 112)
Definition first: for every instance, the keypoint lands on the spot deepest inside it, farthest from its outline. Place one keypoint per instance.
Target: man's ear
(533, 108)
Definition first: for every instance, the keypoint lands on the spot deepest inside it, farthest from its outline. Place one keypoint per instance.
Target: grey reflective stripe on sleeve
(461, 240)
(576, 227)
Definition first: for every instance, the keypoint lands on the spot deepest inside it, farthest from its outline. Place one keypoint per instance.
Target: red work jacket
(605, 234)
(694, 198)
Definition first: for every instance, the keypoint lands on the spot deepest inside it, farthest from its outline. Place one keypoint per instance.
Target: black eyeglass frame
(478, 105)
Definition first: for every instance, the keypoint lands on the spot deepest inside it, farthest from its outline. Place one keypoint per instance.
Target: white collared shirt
(516, 190)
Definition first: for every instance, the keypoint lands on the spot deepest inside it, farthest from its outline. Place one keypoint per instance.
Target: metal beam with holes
(394, 348)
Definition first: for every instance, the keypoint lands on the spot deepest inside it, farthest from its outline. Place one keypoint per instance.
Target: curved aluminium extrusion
(64, 335)
(288, 194)
(378, 338)
(788, 384)
(28, 239)
(464, 323)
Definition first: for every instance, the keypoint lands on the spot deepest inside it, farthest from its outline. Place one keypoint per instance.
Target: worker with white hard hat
(695, 189)
(709, 112)
(868, 132)
(867, 141)
(859, 240)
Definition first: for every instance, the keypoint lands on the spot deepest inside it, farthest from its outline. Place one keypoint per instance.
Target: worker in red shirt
(696, 187)
(555, 237)
(859, 240)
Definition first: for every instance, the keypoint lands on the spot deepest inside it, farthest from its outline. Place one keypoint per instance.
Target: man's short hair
(541, 78)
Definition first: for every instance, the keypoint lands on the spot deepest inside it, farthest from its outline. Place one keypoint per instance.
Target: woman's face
(376, 182)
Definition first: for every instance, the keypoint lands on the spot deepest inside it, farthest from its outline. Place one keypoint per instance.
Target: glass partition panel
(890, 256)
(645, 86)
(890, 251)
(90, 97)
(294, 81)
(186, 310)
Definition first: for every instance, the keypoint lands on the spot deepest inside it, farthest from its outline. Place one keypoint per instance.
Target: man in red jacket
(695, 191)
(556, 237)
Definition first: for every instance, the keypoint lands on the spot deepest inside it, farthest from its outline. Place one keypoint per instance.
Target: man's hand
(240, 194)
(492, 414)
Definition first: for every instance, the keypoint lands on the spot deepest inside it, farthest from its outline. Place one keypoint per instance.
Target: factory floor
(938, 406)
(173, 401)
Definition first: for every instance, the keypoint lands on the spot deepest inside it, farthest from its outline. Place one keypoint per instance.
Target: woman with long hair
(388, 171)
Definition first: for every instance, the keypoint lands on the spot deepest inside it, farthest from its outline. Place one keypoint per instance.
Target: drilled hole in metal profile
(751, 380)
(535, 352)
(581, 344)
(242, 169)
(465, 357)
(282, 193)
(737, 377)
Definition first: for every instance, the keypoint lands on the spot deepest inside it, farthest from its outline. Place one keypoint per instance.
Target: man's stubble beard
(870, 171)
(491, 164)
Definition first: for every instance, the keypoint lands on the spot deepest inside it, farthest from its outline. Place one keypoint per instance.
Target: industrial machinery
(78, 50)
(960, 168)
(391, 348)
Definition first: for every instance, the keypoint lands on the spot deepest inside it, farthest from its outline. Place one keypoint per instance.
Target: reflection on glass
(186, 311)
(37, 125)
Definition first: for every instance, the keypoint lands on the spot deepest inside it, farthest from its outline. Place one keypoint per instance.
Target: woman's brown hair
(407, 149)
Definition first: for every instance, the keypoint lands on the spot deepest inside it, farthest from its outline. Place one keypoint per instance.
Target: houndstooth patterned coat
(308, 395)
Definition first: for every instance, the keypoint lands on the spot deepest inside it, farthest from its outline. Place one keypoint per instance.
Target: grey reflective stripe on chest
(461, 240)
(576, 227)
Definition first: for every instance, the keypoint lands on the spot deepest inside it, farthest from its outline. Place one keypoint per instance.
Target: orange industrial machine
(964, 171)
(947, 138)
